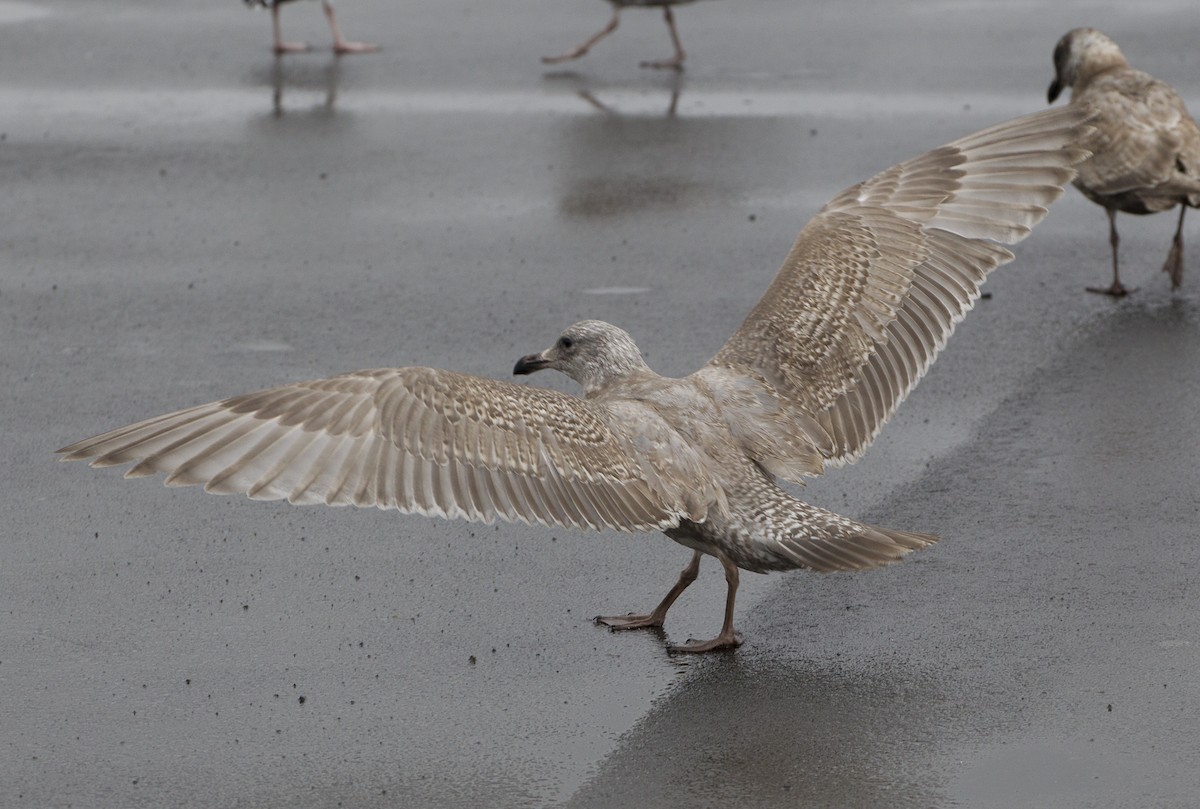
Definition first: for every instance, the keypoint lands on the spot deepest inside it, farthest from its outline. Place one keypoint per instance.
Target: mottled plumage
(868, 295)
(1145, 146)
(675, 62)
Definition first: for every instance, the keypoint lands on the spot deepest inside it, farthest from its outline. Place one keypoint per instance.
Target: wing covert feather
(415, 439)
(877, 280)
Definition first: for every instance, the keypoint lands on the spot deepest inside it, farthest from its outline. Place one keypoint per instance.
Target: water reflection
(593, 95)
(626, 158)
(304, 79)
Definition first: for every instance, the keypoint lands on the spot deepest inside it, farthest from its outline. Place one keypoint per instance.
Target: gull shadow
(746, 731)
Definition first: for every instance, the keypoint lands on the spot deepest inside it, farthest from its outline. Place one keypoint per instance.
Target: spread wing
(414, 439)
(877, 280)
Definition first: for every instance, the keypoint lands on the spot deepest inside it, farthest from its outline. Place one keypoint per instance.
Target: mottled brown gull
(1145, 146)
(868, 295)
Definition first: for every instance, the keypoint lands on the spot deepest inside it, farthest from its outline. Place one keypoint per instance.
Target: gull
(340, 43)
(1145, 146)
(675, 62)
(868, 295)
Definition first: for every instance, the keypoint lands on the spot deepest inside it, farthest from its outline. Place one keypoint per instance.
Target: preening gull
(675, 62)
(869, 293)
(340, 43)
(1145, 146)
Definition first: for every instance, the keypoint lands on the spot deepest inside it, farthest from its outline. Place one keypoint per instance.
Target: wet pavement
(186, 217)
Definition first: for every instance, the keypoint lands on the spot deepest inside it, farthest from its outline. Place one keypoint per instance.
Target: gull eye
(565, 342)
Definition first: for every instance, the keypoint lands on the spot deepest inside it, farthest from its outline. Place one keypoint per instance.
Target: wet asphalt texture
(186, 217)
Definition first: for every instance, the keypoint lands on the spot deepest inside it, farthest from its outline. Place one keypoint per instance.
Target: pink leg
(675, 62)
(280, 45)
(582, 49)
(1117, 290)
(1174, 264)
(340, 43)
(659, 614)
(728, 638)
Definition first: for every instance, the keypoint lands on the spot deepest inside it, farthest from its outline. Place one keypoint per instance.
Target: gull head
(1079, 55)
(592, 352)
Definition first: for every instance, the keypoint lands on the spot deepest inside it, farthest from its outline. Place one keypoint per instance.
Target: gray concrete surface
(185, 217)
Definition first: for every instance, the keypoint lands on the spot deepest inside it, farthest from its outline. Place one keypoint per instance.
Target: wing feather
(876, 281)
(415, 439)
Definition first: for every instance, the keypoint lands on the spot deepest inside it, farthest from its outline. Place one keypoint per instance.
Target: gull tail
(804, 536)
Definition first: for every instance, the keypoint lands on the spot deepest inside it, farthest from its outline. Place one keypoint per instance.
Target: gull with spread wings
(868, 295)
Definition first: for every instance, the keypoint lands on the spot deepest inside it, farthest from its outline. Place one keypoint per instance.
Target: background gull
(870, 291)
(675, 61)
(1145, 146)
(340, 43)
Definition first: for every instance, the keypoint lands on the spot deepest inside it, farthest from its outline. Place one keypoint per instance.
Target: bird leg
(659, 614)
(728, 638)
(582, 49)
(675, 62)
(280, 45)
(340, 43)
(1174, 264)
(1117, 290)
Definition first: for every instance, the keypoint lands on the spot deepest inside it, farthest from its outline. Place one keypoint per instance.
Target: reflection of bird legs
(340, 43)
(726, 639)
(277, 86)
(1174, 263)
(279, 79)
(1117, 290)
(582, 49)
(587, 96)
(590, 98)
(332, 77)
